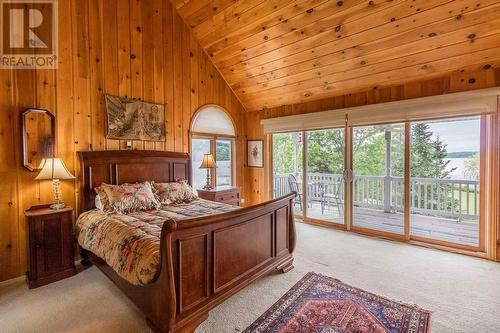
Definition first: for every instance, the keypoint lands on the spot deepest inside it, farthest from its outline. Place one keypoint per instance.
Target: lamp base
(208, 187)
(57, 206)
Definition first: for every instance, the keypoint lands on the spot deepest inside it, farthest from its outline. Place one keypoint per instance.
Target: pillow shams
(174, 193)
(128, 198)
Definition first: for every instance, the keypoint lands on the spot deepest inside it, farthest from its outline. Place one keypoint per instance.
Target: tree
(427, 156)
(283, 153)
(325, 152)
(222, 151)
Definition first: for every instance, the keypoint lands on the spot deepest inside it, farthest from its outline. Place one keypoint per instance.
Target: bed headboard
(128, 166)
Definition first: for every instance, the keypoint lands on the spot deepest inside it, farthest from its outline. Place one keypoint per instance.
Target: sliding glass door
(378, 178)
(287, 167)
(324, 175)
(445, 181)
(415, 180)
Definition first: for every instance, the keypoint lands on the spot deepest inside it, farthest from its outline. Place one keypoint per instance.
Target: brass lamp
(54, 168)
(208, 163)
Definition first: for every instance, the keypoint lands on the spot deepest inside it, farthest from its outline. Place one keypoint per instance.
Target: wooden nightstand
(226, 194)
(51, 245)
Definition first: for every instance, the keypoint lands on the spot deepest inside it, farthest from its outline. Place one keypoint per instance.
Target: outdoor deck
(463, 232)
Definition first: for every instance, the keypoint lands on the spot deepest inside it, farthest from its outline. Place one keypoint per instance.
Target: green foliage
(326, 152)
(427, 155)
(284, 152)
(223, 151)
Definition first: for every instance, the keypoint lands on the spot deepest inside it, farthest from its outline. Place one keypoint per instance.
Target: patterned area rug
(321, 304)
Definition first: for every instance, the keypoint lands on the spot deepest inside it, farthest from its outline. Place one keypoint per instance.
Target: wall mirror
(38, 131)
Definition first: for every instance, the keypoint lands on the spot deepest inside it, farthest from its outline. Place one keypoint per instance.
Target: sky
(459, 135)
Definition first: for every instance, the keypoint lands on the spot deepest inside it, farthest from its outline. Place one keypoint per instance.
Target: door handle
(347, 175)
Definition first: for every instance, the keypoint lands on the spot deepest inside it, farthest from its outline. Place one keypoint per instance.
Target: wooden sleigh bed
(203, 260)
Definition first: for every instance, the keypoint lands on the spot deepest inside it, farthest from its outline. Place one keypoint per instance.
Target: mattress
(130, 244)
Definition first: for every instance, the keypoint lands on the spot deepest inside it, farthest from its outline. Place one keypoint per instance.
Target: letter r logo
(28, 27)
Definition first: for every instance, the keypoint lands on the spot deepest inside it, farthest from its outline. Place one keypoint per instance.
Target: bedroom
(340, 102)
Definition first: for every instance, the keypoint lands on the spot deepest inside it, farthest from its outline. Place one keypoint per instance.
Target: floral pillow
(174, 193)
(101, 199)
(128, 198)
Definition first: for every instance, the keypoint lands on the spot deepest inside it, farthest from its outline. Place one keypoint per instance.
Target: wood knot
(362, 62)
(309, 11)
(337, 28)
(340, 3)
(132, 56)
(432, 34)
(138, 29)
(472, 80)
(487, 66)
(472, 36)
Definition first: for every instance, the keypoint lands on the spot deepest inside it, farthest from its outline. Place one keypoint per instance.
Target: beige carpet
(463, 293)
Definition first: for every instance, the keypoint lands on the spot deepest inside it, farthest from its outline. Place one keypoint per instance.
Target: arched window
(212, 131)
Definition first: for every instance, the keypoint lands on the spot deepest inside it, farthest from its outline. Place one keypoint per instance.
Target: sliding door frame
(484, 174)
(406, 213)
(488, 164)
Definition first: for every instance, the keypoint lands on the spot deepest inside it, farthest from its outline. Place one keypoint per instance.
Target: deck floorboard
(436, 228)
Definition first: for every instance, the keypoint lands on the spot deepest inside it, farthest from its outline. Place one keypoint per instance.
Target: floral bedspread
(130, 243)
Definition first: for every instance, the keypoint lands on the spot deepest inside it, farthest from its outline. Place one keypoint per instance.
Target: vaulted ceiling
(275, 52)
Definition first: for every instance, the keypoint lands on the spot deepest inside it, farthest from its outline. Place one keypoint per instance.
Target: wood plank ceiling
(275, 52)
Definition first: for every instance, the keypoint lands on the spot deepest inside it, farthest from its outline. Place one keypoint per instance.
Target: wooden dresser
(226, 194)
(51, 245)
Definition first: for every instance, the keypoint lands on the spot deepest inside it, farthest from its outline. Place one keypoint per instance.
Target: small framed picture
(255, 153)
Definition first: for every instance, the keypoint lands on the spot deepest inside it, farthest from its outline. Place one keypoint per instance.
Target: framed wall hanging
(130, 119)
(255, 153)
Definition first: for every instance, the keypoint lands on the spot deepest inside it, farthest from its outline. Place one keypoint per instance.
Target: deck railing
(449, 198)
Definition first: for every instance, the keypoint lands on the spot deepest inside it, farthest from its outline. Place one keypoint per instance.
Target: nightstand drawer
(225, 197)
(225, 194)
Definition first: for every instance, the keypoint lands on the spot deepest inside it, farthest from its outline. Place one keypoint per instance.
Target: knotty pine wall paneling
(138, 48)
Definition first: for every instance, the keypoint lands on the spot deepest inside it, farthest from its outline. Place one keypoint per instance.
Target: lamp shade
(208, 162)
(54, 168)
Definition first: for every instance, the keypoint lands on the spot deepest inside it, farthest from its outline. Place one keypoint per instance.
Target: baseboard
(13, 280)
(25, 277)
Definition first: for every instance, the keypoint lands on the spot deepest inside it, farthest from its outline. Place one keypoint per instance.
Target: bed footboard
(206, 260)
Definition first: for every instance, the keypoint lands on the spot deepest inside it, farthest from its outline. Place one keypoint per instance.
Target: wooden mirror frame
(24, 138)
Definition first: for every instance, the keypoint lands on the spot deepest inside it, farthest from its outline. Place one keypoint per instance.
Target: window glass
(444, 183)
(223, 156)
(287, 167)
(199, 147)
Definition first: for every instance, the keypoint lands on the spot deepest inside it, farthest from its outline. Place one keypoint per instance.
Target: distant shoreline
(461, 154)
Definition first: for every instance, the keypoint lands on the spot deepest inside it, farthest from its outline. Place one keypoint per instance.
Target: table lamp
(54, 168)
(208, 163)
